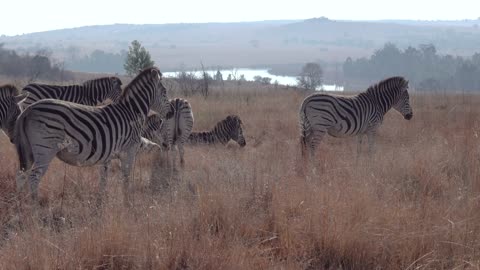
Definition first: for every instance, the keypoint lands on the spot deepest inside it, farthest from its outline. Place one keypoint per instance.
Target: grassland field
(414, 204)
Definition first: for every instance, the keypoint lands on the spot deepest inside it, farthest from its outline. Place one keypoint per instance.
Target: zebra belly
(71, 154)
(341, 130)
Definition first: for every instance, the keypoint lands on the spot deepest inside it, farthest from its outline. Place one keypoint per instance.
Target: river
(250, 73)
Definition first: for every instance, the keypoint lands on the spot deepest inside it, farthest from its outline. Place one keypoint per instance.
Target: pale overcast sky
(40, 15)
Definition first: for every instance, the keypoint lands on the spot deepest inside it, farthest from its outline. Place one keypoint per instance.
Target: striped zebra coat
(225, 130)
(84, 136)
(341, 116)
(174, 131)
(9, 108)
(92, 93)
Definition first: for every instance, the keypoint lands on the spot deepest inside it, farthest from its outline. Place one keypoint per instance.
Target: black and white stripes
(93, 92)
(341, 116)
(9, 109)
(174, 130)
(228, 129)
(83, 135)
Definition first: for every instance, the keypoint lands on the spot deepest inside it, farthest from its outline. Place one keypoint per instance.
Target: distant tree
(229, 77)
(205, 82)
(257, 78)
(275, 83)
(266, 80)
(218, 77)
(138, 58)
(311, 76)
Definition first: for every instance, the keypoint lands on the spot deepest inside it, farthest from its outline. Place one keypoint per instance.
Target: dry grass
(413, 205)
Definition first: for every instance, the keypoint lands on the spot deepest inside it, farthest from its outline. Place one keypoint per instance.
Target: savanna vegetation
(413, 204)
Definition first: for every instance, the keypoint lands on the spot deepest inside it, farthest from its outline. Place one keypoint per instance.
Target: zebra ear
(20, 97)
(156, 72)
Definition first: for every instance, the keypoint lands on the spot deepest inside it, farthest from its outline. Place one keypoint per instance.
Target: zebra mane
(146, 72)
(8, 90)
(397, 82)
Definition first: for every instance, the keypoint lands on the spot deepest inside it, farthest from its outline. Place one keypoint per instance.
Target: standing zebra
(84, 136)
(341, 116)
(228, 128)
(175, 130)
(93, 92)
(9, 108)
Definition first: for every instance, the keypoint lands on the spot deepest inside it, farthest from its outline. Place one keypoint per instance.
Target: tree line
(423, 66)
(33, 67)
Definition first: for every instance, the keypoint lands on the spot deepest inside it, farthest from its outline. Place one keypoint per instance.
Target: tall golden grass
(414, 204)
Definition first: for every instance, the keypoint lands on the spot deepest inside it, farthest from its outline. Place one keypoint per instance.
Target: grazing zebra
(175, 129)
(93, 92)
(84, 135)
(228, 129)
(342, 116)
(9, 108)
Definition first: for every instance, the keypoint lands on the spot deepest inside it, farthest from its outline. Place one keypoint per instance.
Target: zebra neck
(384, 99)
(138, 104)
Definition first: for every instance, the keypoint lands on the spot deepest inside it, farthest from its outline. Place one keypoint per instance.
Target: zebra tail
(22, 144)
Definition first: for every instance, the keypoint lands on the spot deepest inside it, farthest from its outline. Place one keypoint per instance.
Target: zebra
(227, 129)
(342, 116)
(151, 129)
(92, 92)
(9, 108)
(82, 135)
(174, 131)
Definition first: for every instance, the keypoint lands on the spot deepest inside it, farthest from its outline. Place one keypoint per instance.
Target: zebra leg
(126, 167)
(103, 183)
(315, 139)
(173, 149)
(34, 177)
(371, 142)
(359, 146)
(40, 165)
(182, 153)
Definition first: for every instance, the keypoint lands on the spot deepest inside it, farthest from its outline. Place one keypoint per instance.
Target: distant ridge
(260, 43)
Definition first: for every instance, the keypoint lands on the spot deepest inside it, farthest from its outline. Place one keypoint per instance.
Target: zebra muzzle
(408, 116)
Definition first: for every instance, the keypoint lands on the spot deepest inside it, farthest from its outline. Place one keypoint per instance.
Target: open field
(413, 205)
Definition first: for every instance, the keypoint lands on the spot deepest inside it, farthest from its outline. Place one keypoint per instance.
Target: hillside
(267, 43)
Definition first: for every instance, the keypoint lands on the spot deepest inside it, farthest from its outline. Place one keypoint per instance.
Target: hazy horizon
(54, 14)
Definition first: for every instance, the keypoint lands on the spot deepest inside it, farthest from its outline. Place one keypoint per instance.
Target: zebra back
(93, 92)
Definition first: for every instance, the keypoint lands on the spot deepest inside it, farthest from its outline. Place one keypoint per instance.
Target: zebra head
(236, 131)
(116, 89)
(402, 105)
(9, 108)
(102, 91)
(153, 128)
(160, 104)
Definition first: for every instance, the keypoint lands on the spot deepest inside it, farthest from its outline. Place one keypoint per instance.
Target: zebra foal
(92, 92)
(174, 131)
(9, 108)
(341, 116)
(84, 135)
(225, 130)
